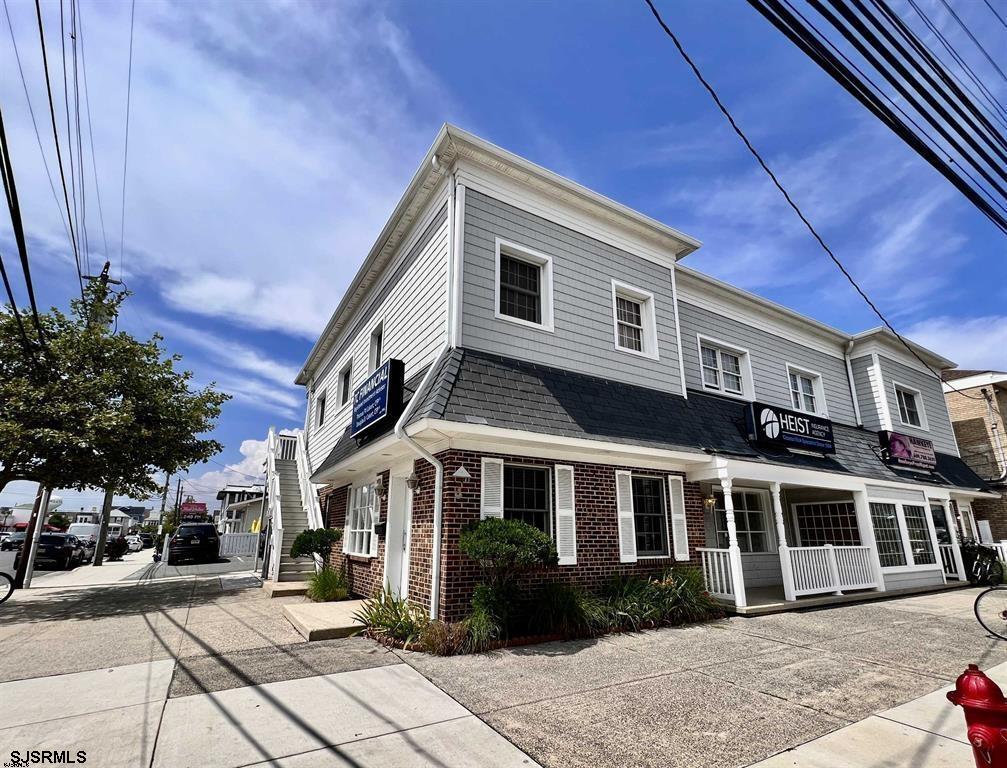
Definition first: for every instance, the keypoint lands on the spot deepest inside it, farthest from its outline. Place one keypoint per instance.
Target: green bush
(316, 542)
(683, 598)
(631, 602)
(327, 585)
(391, 617)
(504, 549)
(445, 638)
(484, 631)
(566, 610)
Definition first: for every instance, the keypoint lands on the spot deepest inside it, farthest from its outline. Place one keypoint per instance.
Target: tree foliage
(315, 542)
(95, 408)
(506, 548)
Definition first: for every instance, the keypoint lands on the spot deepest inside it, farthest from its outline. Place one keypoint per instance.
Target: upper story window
(377, 342)
(806, 391)
(320, 409)
(345, 378)
(526, 495)
(635, 325)
(723, 368)
(910, 406)
(523, 286)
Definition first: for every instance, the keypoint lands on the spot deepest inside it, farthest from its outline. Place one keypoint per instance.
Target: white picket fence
(238, 544)
(830, 568)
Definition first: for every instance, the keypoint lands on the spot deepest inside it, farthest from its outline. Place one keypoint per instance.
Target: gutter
(853, 385)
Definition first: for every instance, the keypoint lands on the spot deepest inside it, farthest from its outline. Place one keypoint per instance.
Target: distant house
(239, 507)
(977, 403)
(138, 514)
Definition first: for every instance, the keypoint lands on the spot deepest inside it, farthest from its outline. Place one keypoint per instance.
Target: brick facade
(597, 531)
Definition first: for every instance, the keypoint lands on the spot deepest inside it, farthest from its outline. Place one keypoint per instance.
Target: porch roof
(474, 387)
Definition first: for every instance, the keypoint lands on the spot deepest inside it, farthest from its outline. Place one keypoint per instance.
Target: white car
(135, 543)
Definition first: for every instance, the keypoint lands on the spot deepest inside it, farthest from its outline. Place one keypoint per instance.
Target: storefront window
(919, 535)
(750, 519)
(888, 535)
(827, 523)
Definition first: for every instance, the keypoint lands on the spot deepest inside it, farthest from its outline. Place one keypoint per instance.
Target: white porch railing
(1001, 548)
(273, 445)
(238, 544)
(948, 561)
(830, 569)
(309, 494)
(717, 572)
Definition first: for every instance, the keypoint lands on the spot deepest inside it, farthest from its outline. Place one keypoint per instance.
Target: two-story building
(977, 402)
(240, 507)
(515, 345)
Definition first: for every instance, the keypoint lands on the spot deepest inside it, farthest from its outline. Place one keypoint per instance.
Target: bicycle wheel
(991, 611)
(6, 586)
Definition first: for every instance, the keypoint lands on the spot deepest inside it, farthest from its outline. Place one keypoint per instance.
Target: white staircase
(292, 503)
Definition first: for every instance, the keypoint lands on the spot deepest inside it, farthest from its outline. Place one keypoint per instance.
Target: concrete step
(324, 621)
(297, 576)
(284, 588)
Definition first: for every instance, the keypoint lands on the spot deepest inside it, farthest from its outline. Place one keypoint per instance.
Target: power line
(80, 145)
(69, 139)
(776, 182)
(25, 341)
(994, 11)
(90, 130)
(59, 155)
(125, 148)
(973, 39)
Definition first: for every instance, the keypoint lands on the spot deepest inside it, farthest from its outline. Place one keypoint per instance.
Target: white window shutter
(624, 507)
(566, 523)
(679, 529)
(346, 523)
(492, 491)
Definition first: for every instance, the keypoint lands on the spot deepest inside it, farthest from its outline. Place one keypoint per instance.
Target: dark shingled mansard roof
(480, 388)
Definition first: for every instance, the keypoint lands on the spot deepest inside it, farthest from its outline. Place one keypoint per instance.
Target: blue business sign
(378, 399)
(784, 428)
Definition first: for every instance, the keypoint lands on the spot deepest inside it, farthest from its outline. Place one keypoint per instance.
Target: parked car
(135, 543)
(194, 541)
(147, 539)
(88, 535)
(13, 542)
(59, 549)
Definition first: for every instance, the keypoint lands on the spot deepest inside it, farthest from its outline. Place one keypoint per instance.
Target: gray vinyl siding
(863, 377)
(913, 580)
(882, 494)
(412, 308)
(761, 570)
(769, 355)
(583, 270)
(940, 429)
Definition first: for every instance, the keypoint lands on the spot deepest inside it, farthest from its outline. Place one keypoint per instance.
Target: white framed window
(345, 383)
(910, 402)
(724, 368)
(904, 535)
(320, 409)
(527, 495)
(634, 320)
(377, 346)
(361, 514)
(523, 286)
(751, 520)
(650, 518)
(807, 391)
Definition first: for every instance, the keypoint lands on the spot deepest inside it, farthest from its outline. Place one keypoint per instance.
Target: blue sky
(269, 142)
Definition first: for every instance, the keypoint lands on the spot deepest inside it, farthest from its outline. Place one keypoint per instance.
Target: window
(635, 324)
(888, 535)
(722, 368)
(910, 407)
(524, 286)
(819, 524)
(377, 338)
(919, 534)
(320, 409)
(526, 495)
(649, 517)
(360, 520)
(940, 524)
(750, 520)
(805, 391)
(344, 383)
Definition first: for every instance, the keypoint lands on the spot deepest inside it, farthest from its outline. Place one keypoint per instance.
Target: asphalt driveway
(728, 693)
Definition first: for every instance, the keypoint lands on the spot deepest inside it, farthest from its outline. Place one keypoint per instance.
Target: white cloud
(977, 342)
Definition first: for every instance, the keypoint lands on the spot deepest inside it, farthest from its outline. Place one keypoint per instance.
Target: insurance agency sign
(779, 427)
(379, 399)
(907, 451)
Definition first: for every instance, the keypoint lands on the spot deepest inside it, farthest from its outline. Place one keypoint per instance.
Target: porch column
(953, 532)
(866, 528)
(781, 536)
(734, 551)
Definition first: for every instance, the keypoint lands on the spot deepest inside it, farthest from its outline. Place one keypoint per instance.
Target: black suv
(194, 541)
(59, 549)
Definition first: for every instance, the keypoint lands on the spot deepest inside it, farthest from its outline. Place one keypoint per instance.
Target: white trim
(648, 319)
(372, 363)
(544, 263)
(767, 512)
(797, 529)
(882, 338)
(344, 393)
(678, 332)
(984, 379)
(876, 377)
(918, 395)
(747, 380)
(320, 398)
(817, 382)
(375, 513)
(561, 511)
(456, 246)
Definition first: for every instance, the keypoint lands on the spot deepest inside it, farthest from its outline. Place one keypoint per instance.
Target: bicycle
(6, 586)
(991, 611)
(982, 564)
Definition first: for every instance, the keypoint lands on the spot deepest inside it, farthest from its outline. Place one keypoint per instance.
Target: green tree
(59, 520)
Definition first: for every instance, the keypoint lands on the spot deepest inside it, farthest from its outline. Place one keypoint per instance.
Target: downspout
(853, 384)
(400, 425)
(997, 440)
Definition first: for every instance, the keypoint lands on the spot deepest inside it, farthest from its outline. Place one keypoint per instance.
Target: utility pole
(164, 494)
(97, 313)
(30, 536)
(31, 545)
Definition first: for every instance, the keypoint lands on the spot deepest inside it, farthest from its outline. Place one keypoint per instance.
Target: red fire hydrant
(985, 714)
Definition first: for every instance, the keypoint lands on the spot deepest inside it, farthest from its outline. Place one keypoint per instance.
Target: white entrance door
(397, 537)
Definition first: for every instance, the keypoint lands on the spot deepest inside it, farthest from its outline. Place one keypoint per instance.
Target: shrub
(116, 548)
(631, 602)
(566, 610)
(445, 638)
(389, 617)
(316, 542)
(484, 631)
(682, 596)
(327, 585)
(506, 548)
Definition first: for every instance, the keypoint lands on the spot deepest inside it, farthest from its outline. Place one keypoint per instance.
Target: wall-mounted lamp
(412, 482)
(710, 503)
(380, 488)
(463, 476)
